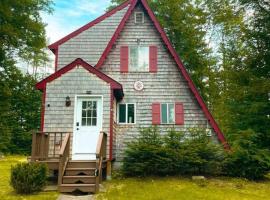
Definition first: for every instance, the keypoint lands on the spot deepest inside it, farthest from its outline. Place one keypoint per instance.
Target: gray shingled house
(112, 76)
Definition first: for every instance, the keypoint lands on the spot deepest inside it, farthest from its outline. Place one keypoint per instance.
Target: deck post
(34, 142)
(109, 170)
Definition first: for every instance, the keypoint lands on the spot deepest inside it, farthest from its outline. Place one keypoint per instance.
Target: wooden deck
(54, 150)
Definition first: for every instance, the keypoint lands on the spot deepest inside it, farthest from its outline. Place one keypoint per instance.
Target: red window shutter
(156, 113)
(124, 59)
(179, 113)
(153, 59)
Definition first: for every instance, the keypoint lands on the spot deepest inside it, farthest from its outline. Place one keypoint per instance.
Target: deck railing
(63, 158)
(100, 155)
(47, 145)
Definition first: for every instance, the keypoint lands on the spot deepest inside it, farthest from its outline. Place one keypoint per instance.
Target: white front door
(87, 126)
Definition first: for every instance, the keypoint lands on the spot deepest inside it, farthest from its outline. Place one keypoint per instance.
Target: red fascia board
(176, 58)
(55, 45)
(114, 84)
(116, 34)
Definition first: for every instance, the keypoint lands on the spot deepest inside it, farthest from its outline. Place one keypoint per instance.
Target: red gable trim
(176, 58)
(114, 84)
(116, 34)
(87, 26)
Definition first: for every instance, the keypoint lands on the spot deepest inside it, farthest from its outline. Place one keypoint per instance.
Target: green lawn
(152, 188)
(185, 189)
(6, 191)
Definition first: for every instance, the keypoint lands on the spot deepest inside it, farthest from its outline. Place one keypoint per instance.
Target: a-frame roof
(132, 4)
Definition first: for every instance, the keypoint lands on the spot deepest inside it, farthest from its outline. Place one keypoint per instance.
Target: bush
(28, 178)
(247, 160)
(175, 153)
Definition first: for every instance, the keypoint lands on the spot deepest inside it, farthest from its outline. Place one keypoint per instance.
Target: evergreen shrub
(27, 178)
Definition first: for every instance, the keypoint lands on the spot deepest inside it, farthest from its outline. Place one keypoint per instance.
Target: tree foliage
(22, 37)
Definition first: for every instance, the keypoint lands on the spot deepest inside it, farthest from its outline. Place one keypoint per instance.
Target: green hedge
(28, 178)
(175, 153)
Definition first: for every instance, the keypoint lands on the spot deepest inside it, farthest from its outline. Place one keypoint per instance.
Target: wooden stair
(79, 175)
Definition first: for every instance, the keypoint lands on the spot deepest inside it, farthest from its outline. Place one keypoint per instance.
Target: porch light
(68, 101)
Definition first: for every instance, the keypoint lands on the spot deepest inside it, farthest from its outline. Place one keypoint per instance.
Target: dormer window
(139, 17)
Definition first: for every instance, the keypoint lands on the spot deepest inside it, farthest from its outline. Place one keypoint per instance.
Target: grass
(185, 189)
(7, 192)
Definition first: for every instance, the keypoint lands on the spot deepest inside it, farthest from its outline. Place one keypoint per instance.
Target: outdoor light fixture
(68, 101)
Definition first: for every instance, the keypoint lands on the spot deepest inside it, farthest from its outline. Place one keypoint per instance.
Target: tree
(22, 36)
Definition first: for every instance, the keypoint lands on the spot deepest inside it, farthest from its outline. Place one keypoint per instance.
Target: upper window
(167, 113)
(139, 58)
(126, 113)
(139, 17)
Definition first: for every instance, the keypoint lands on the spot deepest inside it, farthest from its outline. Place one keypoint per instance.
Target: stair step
(80, 171)
(80, 164)
(74, 179)
(81, 187)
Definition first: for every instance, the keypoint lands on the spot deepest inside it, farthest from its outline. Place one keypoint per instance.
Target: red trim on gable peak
(114, 84)
(55, 45)
(175, 57)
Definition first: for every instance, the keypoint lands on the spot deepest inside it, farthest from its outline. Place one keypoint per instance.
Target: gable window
(139, 17)
(126, 113)
(139, 58)
(167, 113)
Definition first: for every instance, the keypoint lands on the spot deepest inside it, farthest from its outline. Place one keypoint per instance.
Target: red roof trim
(114, 84)
(176, 58)
(116, 34)
(87, 26)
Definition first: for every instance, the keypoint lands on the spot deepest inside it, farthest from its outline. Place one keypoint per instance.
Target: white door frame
(75, 113)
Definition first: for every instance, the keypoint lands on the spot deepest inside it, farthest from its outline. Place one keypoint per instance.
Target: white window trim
(118, 115)
(167, 113)
(135, 16)
(129, 59)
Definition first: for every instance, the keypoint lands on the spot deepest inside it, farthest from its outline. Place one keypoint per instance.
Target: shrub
(247, 160)
(173, 154)
(28, 178)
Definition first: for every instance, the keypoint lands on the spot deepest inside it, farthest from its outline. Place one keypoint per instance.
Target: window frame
(168, 114)
(137, 69)
(118, 113)
(135, 17)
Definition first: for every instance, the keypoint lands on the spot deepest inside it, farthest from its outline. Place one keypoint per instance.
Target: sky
(69, 15)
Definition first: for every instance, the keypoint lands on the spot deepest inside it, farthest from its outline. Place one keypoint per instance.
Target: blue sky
(70, 15)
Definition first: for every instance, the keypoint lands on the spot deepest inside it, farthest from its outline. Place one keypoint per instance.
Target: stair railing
(63, 158)
(100, 155)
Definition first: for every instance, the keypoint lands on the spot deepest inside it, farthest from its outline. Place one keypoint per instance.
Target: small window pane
(83, 113)
(89, 113)
(164, 113)
(83, 121)
(94, 121)
(84, 104)
(122, 113)
(131, 113)
(88, 121)
(171, 113)
(134, 57)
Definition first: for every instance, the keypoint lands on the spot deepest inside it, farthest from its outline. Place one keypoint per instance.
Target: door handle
(77, 124)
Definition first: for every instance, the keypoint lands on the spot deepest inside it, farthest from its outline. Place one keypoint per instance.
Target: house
(112, 76)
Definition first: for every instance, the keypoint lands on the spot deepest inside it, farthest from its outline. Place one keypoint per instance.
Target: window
(126, 113)
(139, 17)
(89, 113)
(167, 113)
(139, 58)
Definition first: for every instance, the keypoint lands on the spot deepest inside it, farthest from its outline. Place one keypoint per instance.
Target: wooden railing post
(63, 158)
(100, 155)
(34, 143)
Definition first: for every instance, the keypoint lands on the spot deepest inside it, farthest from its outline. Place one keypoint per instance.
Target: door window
(89, 113)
